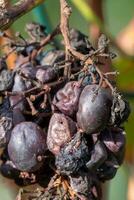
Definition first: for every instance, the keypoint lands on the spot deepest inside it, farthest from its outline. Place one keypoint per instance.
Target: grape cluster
(47, 119)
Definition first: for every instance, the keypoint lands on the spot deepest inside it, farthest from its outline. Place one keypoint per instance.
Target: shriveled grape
(66, 99)
(52, 57)
(73, 155)
(6, 79)
(80, 183)
(60, 131)
(80, 42)
(6, 125)
(120, 110)
(115, 141)
(46, 74)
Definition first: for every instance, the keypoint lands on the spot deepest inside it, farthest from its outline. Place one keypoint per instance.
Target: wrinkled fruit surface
(60, 131)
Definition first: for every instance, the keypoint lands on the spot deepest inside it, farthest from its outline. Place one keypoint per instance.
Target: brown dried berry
(60, 131)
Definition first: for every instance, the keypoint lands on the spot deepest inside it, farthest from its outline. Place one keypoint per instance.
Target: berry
(80, 42)
(53, 57)
(26, 144)
(60, 131)
(115, 141)
(120, 110)
(6, 79)
(73, 155)
(80, 183)
(106, 172)
(17, 102)
(94, 109)
(6, 124)
(8, 170)
(29, 71)
(66, 99)
(19, 84)
(45, 75)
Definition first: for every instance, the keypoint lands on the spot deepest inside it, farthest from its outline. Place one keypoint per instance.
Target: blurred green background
(118, 17)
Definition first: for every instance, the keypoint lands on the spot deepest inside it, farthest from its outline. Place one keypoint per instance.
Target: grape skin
(26, 143)
(94, 110)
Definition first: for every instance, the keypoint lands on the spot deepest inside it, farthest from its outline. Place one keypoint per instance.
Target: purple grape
(27, 142)
(29, 71)
(17, 102)
(66, 99)
(115, 141)
(19, 84)
(45, 75)
(8, 170)
(94, 109)
(98, 156)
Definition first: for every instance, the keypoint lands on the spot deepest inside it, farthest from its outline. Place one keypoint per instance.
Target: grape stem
(87, 59)
(41, 89)
(11, 14)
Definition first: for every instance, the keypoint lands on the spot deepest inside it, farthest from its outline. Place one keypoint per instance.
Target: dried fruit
(81, 183)
(6, 79)
(67, 95)
(120, 110)
(53, 57)
(80, 42)
(6, 124)
(66, 99)
(46, 74)
(73, 155)
(61, 130)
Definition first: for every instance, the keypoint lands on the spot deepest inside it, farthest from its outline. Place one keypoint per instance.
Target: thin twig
(14, 12)
(88, 60)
